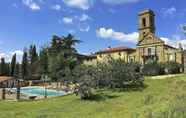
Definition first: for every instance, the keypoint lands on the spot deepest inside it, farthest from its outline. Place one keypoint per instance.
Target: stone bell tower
(146, 23)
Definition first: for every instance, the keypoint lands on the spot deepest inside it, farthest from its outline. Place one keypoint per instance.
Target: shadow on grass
(105, 94)
(140, 88)
(131, 88)
(101, 97)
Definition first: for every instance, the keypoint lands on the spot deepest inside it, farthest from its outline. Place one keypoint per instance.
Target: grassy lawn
(109, 105)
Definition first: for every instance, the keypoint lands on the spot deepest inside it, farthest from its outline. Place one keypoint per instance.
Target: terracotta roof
(5, 78)
(116, 49)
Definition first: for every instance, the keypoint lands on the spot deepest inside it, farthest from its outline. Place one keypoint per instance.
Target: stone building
(148, 48)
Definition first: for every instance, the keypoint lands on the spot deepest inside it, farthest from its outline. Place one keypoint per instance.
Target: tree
(43, 60)
(113, 74)
(24, 68)
(17, 72)
(7, 69)
(33, 55)
(3, 67)
(62, 55)
(33, 63)
(13, 65)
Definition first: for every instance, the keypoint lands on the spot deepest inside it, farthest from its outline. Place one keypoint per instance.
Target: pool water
(40, 91)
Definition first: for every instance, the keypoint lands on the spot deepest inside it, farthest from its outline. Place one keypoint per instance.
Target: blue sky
(98, 23)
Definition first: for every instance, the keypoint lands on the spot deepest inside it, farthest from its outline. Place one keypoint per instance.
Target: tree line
(50, 60)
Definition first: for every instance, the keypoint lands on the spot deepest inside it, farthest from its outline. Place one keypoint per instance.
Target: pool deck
(12, 96)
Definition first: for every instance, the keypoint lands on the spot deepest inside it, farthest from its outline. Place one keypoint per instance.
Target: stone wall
(184, 60)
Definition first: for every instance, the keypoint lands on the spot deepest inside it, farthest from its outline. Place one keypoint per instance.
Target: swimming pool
(40, 91)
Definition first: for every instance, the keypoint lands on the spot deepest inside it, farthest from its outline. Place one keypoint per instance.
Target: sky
(97, 23)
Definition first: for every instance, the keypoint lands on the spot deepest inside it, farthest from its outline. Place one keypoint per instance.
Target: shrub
(172, 68)
(84, 76)
(153, 69)
(85, 91)
(113, 74)
(125, 75)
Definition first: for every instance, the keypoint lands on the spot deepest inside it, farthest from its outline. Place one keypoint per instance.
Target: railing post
(18, 90)
(3, 93)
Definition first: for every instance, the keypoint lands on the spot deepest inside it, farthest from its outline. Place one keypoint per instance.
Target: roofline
(113, 51)
(170, 46)
(146, 11)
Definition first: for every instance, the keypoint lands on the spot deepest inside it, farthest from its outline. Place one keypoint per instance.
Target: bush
(84, 91)
(124, 75)
(153, 69)
(84, 76)
(172, 68)
(113, 74)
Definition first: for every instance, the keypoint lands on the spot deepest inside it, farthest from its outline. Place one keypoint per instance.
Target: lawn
(107, 104)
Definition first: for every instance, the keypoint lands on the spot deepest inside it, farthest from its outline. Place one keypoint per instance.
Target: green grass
(108, 105)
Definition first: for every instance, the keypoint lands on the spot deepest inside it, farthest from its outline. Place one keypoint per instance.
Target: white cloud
(8, 56)
(83, 27)
(72, 31)
(175, 41)
(68, 20)
(118, 2)
(56, 7)
(82, 4)
(84, 17)
(31, 4)
(169, 12)
(111, 34)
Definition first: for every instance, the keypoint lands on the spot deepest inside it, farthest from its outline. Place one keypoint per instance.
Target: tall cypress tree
(3, 67)
(33, 55)
(24, 68)
(13, 65)
(43, 60)
(17, 72)
(7, 69)
(34, 63)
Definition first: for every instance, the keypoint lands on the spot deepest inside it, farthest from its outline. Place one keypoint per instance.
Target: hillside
(158, 98)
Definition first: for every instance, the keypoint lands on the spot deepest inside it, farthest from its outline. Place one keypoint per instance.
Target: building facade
(148, 48)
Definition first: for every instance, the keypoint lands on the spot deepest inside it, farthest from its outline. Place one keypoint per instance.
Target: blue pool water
(39, 91)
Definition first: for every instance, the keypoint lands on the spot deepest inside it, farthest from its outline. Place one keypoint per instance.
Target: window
(144, 22)
(131, 59)
(149, 51)
(171, 57)
(119, 53)
(144, 33)
(109, 55)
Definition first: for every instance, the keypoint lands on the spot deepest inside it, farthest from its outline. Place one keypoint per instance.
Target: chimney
(180, 46)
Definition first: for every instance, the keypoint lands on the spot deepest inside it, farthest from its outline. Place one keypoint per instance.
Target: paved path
(165, 76)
